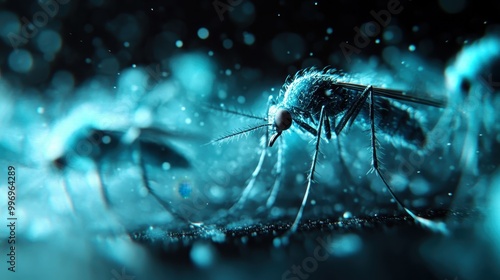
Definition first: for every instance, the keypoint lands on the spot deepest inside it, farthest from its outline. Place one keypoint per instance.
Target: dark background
(440, 33)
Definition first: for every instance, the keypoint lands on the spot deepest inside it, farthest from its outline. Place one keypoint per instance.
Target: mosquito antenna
(237, 113)
(239, 132)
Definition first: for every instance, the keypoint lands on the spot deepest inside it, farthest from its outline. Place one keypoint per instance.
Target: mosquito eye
(283, 120)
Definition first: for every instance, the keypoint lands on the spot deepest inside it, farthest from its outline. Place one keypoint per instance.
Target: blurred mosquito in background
(105, 152)
(319, 103)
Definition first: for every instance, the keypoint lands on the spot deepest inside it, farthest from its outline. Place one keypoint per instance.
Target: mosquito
(319, 103)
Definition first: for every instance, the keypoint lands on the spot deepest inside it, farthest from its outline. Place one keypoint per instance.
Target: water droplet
(165, 166)
(185, 189)
(106, 139)
(202, 254)
(347, 215)
(248, 38)
(20, 61)
(227, 44)
(241, 99)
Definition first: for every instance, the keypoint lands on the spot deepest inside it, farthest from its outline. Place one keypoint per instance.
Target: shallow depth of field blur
(99, 96)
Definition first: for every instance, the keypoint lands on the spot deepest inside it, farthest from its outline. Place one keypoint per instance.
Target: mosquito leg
(67, 193)
(138, 159)
(306, 127)
(254, 177)
(279, 175)
(328, 129)
(310, 178)
(354, 110)
(435, 226)
(104, 193)
(349, 116)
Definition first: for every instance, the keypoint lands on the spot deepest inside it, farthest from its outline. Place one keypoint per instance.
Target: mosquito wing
(396, 94)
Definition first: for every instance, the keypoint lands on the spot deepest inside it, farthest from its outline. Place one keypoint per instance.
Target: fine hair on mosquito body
(323, 103)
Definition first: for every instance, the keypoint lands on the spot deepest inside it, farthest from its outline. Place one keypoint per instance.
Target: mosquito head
(282, 121)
